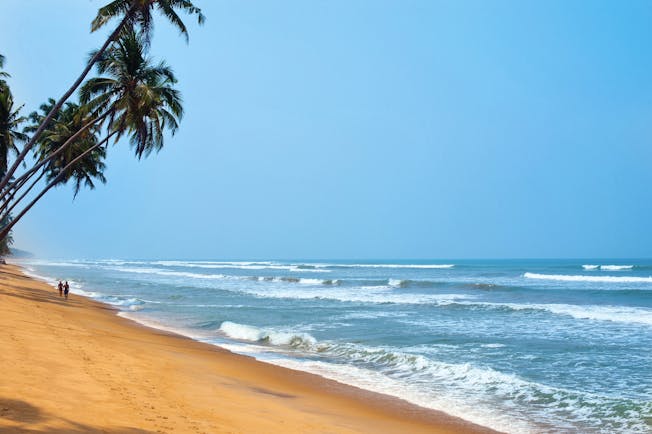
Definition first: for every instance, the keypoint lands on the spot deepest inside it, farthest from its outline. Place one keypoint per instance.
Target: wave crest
(607, 267)
(254, 334)
(620, 314)
(582, 278)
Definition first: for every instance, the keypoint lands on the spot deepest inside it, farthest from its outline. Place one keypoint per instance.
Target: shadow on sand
(22, 417)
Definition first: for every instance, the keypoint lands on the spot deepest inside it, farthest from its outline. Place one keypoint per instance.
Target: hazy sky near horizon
(366, 129)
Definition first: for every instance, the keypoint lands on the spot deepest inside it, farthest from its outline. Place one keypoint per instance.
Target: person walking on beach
(60, 289)
(66, 289)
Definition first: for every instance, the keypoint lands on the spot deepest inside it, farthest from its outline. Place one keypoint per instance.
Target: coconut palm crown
(138, 95)
(139, 13)
(68, 121)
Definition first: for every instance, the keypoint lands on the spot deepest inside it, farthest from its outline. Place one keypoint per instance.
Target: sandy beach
(74, 366)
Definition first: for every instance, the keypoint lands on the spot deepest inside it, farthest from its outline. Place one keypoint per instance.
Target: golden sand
(74, 366)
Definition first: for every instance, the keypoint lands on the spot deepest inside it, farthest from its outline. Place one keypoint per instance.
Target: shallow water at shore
(519, 346)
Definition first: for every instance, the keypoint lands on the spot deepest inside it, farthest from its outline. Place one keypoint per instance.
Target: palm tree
(139, 96)
(73, 130)
(68, 126)
(10, 121)
(132, 14)
(139, 102)
(139, 13)
(92, 120)
(70, 120)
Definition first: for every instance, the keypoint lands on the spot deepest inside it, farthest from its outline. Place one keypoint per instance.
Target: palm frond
(112, 10)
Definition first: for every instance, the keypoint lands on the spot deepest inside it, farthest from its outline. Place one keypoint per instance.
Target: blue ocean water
(519, 346)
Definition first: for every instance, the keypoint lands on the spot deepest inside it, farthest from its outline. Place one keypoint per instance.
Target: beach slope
(74, 366)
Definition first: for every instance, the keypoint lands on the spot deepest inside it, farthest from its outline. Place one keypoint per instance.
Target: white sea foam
(191, 275)
(33, 274)
(608, 267)
(362, 294)
(132, 303)
(621, 314)
(616, 267)
(116, 262)
(40, 262)
(311, 281)
(241, 266)
(372, 315)
(209, 263)
(592, 278)
(76, 288)
(162, 272)
(412, 266)
(273, 337)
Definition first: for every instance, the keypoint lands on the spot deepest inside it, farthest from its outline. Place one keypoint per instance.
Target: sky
(365, 129)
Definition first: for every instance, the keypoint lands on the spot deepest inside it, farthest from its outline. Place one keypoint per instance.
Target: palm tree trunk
(64, 98)
(18, 186)
(5, 231)
(22, 196)
(60, 149)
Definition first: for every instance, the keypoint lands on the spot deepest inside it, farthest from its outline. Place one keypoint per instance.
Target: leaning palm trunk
(14, 188)
(22, 196)
(21, 180)
(55, 181)
(7, 177)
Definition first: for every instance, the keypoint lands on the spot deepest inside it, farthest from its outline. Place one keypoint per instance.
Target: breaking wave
(616, 267)
(273, 337)
(361, 294)
(593, 278)
(409, 266)
(242, 265)
(620, 314)
(608, 267)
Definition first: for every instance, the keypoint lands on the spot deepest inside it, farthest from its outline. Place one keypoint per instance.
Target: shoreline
(141, 379)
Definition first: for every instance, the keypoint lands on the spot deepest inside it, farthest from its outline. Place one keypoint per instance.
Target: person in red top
(60, 289)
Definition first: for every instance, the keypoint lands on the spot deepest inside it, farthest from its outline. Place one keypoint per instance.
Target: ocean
(540, 346)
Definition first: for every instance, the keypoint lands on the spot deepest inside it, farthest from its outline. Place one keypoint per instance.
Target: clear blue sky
(366, 129)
